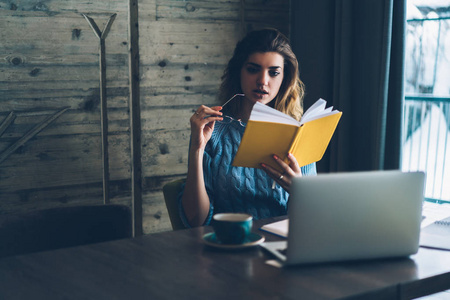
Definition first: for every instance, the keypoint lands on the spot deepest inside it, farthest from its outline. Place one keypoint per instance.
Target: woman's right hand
(202, 125)
(195, 198)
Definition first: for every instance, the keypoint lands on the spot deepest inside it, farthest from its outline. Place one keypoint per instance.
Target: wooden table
(177, 265)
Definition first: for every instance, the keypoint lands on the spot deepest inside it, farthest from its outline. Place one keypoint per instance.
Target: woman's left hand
(284, 178)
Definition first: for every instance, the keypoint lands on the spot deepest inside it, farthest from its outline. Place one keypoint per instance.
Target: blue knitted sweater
(238, 189)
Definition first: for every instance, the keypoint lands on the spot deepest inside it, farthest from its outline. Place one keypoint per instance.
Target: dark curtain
(351, 53)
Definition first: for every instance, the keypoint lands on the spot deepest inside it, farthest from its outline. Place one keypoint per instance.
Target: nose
(263, 78)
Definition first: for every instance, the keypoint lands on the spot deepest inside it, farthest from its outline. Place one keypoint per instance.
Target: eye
(274, 73)
(252, 70)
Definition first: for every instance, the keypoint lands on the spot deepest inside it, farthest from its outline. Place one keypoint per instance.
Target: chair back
(63, 227)
(171, 191)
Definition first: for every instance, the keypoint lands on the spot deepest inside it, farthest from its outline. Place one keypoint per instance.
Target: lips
(260, 92)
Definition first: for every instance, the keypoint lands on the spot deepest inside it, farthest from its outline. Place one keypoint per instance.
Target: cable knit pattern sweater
(238, 189)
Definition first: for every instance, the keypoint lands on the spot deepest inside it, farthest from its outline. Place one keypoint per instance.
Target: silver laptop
(350, 216)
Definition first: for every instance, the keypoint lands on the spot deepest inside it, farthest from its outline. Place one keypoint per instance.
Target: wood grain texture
(178, 265)
(49, 59)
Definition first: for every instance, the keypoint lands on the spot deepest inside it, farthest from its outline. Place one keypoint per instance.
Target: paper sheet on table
(279, 228)
(435, 228)
(434, 212)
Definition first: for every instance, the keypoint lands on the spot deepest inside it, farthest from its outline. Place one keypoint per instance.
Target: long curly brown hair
(289, 99)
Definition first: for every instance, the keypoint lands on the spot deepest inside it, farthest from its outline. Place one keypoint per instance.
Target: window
(426, 136)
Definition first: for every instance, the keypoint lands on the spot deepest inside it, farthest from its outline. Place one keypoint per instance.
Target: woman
(264, 69)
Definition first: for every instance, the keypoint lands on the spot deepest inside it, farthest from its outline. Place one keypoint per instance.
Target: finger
(200, 124)
(272, 172)
(282, 178)
(204, 115)
(205, 110)
(278, 177)
(285, 186)
(206, 118)
(284, 166)
(293, 163)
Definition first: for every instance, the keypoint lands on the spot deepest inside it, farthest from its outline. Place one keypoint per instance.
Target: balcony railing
(426, 143)
(426, 124)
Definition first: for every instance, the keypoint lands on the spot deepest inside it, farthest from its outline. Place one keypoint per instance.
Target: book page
(264, 113)
(318, 106)
(317, 111)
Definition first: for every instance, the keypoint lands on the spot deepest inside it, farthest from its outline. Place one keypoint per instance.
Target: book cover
(270, 131)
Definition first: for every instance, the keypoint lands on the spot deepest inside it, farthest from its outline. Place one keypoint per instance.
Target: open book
(270, 131)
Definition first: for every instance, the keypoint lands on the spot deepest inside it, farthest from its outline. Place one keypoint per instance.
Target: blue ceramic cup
(232, 228)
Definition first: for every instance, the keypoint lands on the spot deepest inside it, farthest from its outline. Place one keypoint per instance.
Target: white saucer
(252, 240)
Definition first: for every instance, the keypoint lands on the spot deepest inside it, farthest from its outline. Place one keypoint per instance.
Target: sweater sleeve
(309, 170)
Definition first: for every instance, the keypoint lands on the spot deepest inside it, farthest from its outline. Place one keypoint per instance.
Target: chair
(63, 227)
(171, 191)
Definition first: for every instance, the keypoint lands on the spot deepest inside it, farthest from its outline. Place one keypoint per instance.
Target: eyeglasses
(242, 95)
(228, 119)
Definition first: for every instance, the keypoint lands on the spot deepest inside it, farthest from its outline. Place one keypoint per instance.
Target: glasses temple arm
(242, 95)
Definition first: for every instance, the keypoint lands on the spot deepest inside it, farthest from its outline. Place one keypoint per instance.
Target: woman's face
(261, 76)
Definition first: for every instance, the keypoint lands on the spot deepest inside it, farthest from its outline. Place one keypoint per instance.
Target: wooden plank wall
(49, 60)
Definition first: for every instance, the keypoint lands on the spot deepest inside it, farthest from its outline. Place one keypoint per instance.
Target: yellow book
(270, 132)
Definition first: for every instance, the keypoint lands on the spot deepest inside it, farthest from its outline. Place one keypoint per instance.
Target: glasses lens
(226, 119)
